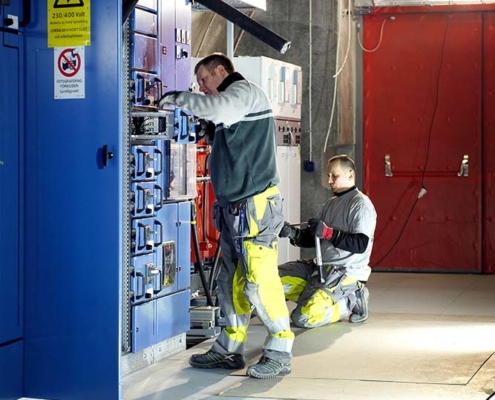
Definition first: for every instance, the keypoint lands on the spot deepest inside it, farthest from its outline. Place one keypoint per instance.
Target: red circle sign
(69, 63)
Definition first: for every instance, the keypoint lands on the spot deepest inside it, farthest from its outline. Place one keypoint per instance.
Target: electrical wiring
(206, 33)
(310, 102)
(379, 40)
(423, 190)
(334, 84)
(241, 33)
(339, 70)
(349, 31)
(436, 103)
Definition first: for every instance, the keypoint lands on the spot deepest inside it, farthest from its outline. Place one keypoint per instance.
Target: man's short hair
(345, 161)
(214, 60)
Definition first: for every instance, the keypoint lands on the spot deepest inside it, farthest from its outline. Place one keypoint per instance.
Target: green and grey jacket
(243, 157)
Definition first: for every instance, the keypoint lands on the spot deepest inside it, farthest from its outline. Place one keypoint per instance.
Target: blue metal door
(10, 306)
(74, 213)
(11, 172)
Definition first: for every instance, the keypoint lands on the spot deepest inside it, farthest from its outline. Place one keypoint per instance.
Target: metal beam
(248, 24)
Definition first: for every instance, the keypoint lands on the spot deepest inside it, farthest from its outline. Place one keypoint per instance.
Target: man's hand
(288, 231)
(168, 98)
(320, 229)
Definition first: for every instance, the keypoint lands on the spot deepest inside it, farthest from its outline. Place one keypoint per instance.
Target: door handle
(388, 166)
(464, 168)
(106, 155)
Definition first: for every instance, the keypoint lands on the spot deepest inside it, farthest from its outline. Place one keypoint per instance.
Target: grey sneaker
(361, 312)
(267, 368)
(212, 359)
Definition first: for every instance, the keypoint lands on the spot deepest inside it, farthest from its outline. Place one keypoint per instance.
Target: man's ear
(221, 71)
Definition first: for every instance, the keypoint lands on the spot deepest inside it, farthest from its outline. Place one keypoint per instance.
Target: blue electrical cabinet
(161, 167)
(72, 188)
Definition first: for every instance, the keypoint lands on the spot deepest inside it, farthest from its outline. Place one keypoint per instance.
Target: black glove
(168, 98)
(288, 231)
(320, 229)
(205, 129)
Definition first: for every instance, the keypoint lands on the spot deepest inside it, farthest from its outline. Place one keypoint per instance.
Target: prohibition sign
(69, 63)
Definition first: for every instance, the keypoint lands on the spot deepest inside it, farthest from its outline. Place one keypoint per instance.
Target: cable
(423, 191)
(241, 33)
(310, 103)
(379, 40)
(334, 84)
(400, 234)
(349, 31)
(206, 34)
(436, 102)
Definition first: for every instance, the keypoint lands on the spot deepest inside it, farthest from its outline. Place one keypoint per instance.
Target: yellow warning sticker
(69, 23)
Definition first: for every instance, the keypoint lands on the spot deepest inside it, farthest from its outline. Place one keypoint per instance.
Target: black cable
(435, 109)
(199, 265)
(436, 101)
(400, 234)
(215, 268)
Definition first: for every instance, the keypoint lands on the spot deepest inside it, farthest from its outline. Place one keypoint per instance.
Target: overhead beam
(251, 26)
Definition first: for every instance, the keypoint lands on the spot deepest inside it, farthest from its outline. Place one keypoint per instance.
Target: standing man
(345, 227)
(248, 214)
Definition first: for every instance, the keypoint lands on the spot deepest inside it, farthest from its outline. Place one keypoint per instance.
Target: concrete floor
(429, 336)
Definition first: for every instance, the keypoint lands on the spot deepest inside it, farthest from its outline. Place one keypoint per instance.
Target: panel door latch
(464, 168)
(388, 166)
(106, 155)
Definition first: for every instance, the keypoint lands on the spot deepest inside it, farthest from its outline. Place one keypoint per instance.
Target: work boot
(360, 312)
(267, 368)
(212, 359)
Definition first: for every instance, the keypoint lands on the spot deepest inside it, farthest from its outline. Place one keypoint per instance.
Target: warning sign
(69, 23)
(68, 3)
(69, 73)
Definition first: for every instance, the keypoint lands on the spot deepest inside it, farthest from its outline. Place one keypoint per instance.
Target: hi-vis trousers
(248, 278)
(318, 303)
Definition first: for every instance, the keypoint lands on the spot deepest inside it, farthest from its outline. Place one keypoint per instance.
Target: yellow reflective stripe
(287, 334)
(271, 191)
(345, 282)
(296, 286)
(349, 281)
(263, 271)
(236, 333)
(335, 313)
(316, 307)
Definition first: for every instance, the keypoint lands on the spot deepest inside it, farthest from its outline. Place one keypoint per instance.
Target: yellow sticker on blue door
(69, 23)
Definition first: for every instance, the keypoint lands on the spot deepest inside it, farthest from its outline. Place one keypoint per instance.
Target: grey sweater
(353, 213)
